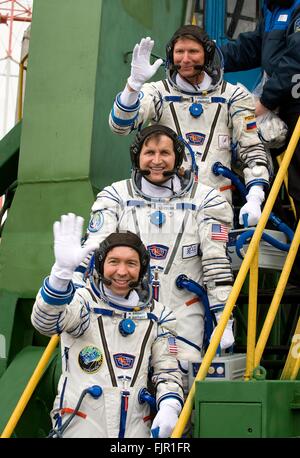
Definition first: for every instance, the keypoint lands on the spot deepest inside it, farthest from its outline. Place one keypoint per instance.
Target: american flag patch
(219, 232)
(172, 345)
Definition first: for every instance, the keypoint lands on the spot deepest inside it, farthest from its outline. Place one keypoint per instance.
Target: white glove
(166, 418)
(227, 339)
(141, 69)
(255, 198)
(271, 130)
(68, 250)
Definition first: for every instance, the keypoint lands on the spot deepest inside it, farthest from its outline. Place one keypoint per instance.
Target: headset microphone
(145, 172)
(199, 67)
(106, 281)
(169, 173)
(133, 284)
(166, 173)
(195, 67)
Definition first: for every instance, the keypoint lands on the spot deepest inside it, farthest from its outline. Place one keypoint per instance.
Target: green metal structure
(254, 409)
(78, 61)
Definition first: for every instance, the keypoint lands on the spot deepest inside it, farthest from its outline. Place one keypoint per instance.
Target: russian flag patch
(251, 125)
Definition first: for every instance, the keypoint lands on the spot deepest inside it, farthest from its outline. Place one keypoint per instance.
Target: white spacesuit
(109, 344)
(216, 118)
(185, 231)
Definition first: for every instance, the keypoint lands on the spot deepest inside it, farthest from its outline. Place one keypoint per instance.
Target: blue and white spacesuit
(184, 225)
(216, 118)
(110, 346)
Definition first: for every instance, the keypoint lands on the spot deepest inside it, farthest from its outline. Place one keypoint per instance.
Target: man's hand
(166, 418)
(227, 339)
(260, 109)
(271, 130)
(252, 208)
(67, 248)
(141, 69)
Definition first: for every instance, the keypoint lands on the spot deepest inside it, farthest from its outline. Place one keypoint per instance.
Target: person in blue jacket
(275, 46)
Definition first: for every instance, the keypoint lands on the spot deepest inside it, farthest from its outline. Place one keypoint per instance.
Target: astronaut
(216, 119)
(183, 224)
(113, 335)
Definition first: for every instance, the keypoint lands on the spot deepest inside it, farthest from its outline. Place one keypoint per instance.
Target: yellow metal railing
(31, 386)
(271, 315)
(250, 255)
(279, 160)
(252, 313)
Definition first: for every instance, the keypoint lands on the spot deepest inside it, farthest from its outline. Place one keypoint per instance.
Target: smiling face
(121, 266)
(157, 156)
(187, 53)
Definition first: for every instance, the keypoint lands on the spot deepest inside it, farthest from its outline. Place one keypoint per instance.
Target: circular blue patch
(158, 218)
(196, 110)
(96, 221)
(126, 327)
(90, 359)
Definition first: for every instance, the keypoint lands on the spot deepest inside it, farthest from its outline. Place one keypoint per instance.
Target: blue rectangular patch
(195, 138)
(158, 251)
(124, 360)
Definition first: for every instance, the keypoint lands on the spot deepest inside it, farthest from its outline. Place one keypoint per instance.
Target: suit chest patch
(124, 360)
(90, 359)
(190, 251)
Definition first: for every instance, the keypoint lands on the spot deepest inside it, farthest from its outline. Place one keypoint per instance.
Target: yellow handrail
(30, 387)
(252, 313)
(279, 160)
(271, 315)
(253, 246)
